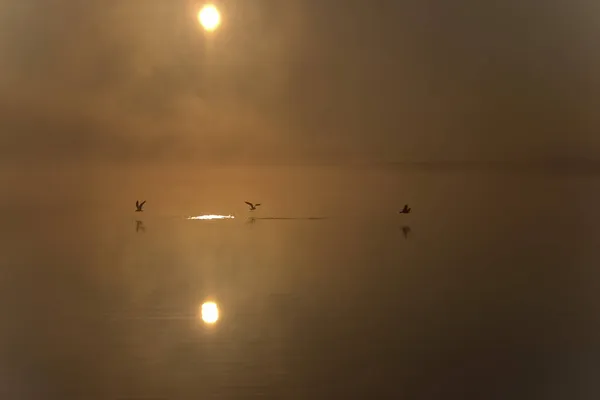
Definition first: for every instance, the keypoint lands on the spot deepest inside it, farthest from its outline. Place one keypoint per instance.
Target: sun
(209, 17)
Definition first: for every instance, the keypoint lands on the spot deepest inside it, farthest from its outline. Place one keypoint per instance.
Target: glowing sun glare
(210, 312)
(209, 17)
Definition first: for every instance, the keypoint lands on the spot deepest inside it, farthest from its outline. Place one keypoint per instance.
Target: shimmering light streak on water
(212, 216)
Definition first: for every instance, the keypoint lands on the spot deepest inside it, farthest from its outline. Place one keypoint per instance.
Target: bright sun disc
(210, 312)
(209, 17)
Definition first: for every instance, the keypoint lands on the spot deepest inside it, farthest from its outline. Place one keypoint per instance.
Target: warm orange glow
(210, 312)
(209, 17)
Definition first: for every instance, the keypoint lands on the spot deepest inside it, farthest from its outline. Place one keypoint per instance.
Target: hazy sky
(384, 80)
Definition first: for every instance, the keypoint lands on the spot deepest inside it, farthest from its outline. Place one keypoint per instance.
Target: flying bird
(139, 205)
(405, 210)
(252, 206)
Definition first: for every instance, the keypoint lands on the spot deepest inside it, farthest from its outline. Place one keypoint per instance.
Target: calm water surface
(493, 294)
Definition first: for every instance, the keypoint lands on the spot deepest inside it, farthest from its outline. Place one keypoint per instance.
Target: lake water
(492, 295)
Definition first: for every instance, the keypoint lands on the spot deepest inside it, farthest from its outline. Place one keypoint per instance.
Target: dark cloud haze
(302, 81)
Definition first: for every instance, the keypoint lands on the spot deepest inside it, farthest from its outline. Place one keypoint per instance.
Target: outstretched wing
(256, 205)
(137, 204)
(250, 204)
(142, 203)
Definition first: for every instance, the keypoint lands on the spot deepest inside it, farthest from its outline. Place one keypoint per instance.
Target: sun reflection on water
(212, 216)
(210, 312)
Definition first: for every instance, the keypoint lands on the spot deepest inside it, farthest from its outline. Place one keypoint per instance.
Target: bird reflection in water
(251, 220)
(209, 312)
(139, 226)
(406, 231)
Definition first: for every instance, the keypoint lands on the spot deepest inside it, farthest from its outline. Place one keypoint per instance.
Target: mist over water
(493, 293)
(483, 119)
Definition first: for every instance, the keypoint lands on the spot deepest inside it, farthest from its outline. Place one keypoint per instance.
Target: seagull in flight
(405, 210)
(252, 206)
(139, 205)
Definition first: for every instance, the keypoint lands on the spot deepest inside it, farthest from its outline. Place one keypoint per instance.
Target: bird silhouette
(252, 206)
(405, 210)
(139, 205)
